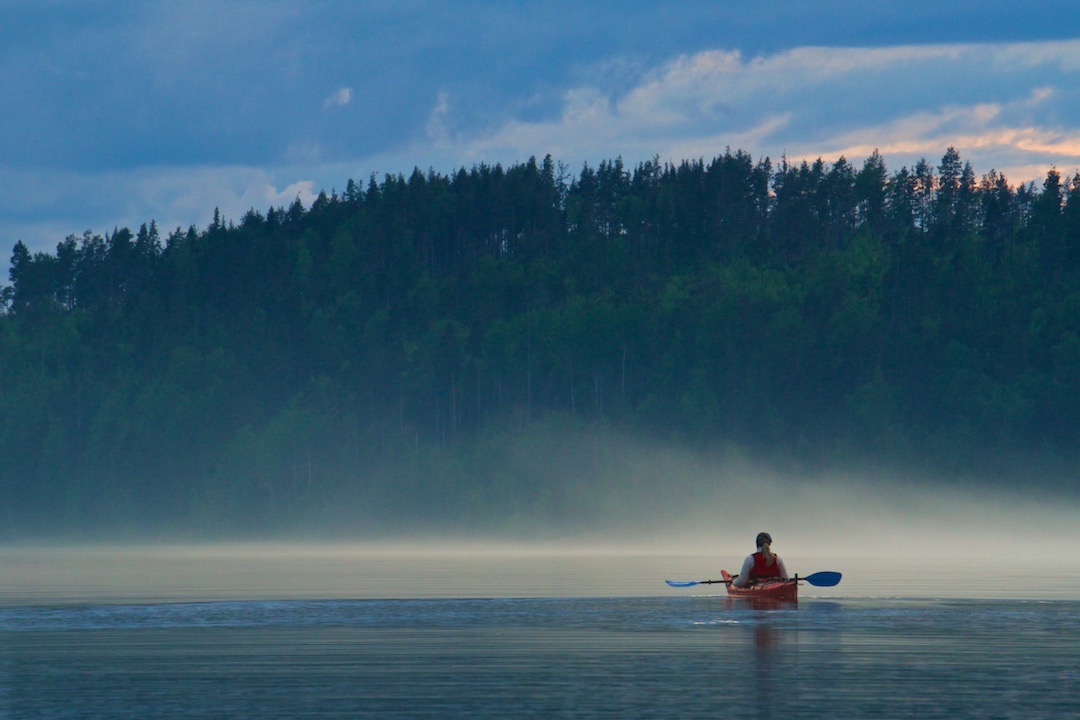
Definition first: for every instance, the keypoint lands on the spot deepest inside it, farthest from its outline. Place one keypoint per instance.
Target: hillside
(379, 358)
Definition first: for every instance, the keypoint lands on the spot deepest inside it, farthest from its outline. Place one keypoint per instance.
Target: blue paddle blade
(681, 583)
(823, 579)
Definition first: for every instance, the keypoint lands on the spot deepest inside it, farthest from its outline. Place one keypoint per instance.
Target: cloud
(173, 197)
(153, 151)
(183, 196)
(1003, 106)
(304, 191)
(339, 99)
(435, 129)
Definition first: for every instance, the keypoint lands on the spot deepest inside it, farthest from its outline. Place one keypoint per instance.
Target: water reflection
(764, 642)
(766, 653)
(772, 628)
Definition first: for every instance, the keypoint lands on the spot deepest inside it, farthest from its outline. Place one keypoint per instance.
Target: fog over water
(608, 491)
(891, 537)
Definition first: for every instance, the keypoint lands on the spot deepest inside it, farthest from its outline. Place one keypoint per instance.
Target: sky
(113, 114)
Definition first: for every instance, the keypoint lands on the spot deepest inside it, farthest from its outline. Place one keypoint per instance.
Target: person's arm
(781, 568)
(744, 575)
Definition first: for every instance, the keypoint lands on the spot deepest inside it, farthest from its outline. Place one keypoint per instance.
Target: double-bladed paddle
(819, 579)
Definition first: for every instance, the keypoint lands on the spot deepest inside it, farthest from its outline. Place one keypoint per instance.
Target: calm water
(140, 634)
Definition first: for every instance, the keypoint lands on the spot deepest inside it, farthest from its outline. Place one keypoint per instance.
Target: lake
(407, 632)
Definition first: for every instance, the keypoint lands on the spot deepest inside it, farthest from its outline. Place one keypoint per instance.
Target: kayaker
(761, 565)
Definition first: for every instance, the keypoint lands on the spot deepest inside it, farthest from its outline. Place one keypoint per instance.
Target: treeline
(364, 356)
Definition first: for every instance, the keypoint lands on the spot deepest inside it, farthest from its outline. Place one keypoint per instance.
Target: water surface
(395, 633)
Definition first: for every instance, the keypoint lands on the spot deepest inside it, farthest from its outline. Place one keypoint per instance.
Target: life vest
(762, 569)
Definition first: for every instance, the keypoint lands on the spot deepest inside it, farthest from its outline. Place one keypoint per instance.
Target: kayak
(776, 590)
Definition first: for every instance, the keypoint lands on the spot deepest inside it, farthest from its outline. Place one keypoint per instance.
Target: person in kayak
(762, 565)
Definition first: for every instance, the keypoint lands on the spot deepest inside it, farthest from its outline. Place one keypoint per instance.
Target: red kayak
(775, 590)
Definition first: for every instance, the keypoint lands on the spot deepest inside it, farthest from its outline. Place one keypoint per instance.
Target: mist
(570, 486)
(724, 503)
(617, 516)
(602, 489)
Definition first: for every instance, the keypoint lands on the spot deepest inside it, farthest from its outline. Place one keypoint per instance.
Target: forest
(373, 360)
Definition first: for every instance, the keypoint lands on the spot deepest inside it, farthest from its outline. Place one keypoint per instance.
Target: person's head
(763, 538)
